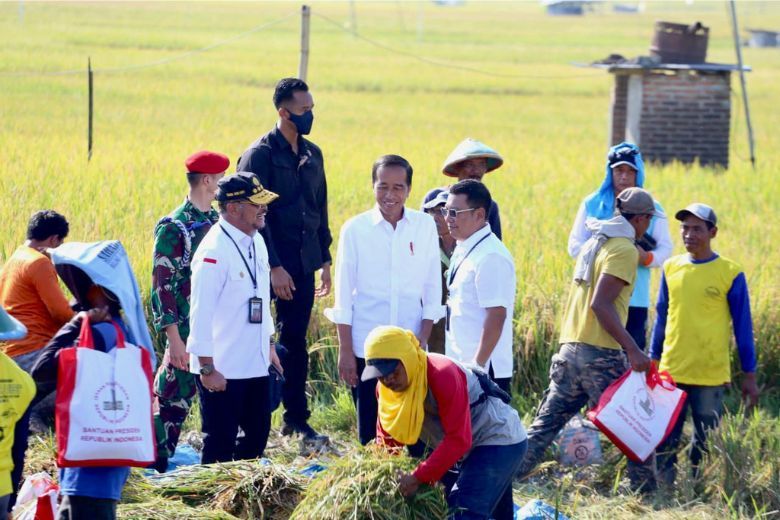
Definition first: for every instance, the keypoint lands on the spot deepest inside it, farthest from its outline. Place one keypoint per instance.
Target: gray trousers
(579, 373)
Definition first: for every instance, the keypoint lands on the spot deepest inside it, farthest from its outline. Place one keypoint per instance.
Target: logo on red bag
(112, 403)
(644, 405)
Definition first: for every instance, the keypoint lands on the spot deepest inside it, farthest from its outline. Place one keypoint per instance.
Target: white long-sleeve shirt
(219, 304)
(386, 276)
(481, 279)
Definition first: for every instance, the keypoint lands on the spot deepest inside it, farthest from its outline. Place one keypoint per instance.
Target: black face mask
(302, 122)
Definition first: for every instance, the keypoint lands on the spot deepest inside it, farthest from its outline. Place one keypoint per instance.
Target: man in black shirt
(296, 234)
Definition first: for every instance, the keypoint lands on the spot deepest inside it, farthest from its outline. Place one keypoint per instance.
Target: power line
(155, 63)
(438, 63)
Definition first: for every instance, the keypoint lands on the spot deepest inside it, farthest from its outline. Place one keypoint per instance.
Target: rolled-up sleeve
(432, 308)
(209, 274)
(346, 278)
(493, 282)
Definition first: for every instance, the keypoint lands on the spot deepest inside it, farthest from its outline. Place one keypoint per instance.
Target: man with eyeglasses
(387, 273)
(297, 236)
(482, 284)
(231, 326)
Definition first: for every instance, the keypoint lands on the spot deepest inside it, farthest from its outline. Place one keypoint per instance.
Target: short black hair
(392, 160)
(193, 179)
(46, 223)
(286, 88)
(477, 194)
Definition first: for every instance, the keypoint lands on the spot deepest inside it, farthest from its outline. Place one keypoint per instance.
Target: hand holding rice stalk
(365, 485)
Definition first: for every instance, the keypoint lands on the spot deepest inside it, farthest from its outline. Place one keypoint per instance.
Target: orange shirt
(29, 291)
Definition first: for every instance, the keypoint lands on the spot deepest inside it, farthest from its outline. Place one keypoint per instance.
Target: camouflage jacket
(171, 273)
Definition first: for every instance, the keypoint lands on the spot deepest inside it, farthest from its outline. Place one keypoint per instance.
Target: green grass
(547, 118)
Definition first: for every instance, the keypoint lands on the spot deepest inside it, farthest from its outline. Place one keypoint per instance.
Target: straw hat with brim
(10, 327)
(471, 149)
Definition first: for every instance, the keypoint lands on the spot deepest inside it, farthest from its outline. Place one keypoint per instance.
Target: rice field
(413, 78)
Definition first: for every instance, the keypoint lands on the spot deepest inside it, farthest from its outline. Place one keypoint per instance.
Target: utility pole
(303, 65)
(738, 47)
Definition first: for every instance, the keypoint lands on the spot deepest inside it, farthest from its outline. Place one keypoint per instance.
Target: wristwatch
(207, 369)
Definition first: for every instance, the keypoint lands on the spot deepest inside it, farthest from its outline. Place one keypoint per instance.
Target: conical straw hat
(472, 149)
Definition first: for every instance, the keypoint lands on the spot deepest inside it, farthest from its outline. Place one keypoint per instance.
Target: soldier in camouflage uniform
(176, 237)
(596, 349)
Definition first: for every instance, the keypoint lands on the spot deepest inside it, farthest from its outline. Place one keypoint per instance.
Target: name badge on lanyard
(255, 304)
(255, 310)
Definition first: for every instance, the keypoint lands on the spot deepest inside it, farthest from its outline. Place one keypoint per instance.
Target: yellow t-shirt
(17, 389)
(698, 324)
(617, 257)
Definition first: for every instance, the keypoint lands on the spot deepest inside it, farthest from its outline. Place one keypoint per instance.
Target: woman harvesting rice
(477, 439)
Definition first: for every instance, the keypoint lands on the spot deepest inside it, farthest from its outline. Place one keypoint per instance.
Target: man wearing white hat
(472, 159)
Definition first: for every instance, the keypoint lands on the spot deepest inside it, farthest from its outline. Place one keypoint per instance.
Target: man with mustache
(231, 325)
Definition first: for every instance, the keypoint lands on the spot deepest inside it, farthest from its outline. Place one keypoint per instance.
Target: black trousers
(636, 325)
(244, 403)
(504, 383)
(75, 507)
(293, 319)
(364, 397)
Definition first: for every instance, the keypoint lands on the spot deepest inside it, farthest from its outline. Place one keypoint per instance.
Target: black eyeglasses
(453, 213)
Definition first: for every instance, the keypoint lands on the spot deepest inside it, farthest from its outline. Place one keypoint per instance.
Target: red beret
(207, 162)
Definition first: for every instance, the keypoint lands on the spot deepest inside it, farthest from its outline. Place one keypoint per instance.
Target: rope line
(438, 63)
(155, 63)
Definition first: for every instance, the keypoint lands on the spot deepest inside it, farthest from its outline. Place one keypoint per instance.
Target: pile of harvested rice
(364, 485)
(167, 509)
(239, 489)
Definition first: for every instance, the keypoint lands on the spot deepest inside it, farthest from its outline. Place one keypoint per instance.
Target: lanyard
(455, 271)
(252, 275)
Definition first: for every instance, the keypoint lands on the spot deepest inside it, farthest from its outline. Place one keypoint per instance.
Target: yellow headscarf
(401, 414)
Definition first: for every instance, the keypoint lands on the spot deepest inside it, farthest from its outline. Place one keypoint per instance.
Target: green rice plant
(41, 455)
(741, 469)
(337, 416)
(245, 489)
(364, 485)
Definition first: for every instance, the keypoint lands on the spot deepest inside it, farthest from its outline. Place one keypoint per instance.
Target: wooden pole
(420, 20)
(401, 15)
(352, 17)
(303, 65)
(91, 110)
(738, 47)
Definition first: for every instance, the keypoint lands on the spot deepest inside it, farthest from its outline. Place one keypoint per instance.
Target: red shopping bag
(638, 411)
(104, 404)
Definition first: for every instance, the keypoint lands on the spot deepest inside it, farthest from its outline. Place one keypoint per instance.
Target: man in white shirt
(387, 273)
(231, 325)
(482, 283)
